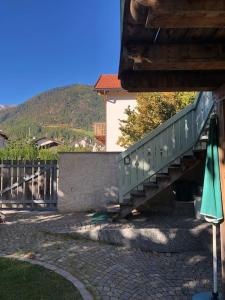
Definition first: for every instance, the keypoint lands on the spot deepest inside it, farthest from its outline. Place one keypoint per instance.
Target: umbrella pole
(215, 295)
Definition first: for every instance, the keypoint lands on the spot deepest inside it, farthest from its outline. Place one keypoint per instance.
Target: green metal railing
(163, 145)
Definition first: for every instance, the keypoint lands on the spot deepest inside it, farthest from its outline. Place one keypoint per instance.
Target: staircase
(163, 156)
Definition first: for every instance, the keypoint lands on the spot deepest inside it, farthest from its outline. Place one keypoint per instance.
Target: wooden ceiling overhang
(172, 45)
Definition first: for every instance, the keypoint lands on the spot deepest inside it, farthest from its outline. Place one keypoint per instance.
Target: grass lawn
(24, 281)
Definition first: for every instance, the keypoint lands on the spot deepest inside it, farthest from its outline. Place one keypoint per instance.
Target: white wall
(115, 108)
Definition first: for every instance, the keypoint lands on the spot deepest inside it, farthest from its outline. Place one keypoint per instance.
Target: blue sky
(51, 43)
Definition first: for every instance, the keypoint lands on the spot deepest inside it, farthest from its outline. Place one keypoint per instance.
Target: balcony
(100, 132)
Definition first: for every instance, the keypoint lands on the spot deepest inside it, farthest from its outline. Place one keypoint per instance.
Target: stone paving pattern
(108, 272)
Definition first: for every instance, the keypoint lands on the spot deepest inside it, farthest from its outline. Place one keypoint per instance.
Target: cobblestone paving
(109, 272)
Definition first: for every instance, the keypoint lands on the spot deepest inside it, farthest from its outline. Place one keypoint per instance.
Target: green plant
(26, 150)
(152, 110)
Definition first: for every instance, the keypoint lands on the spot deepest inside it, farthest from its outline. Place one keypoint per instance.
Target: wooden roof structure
(171, 45)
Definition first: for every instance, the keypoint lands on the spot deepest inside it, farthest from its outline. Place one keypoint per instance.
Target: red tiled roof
(107, 82)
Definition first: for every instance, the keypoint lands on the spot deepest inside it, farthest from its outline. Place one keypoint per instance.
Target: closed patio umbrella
(211, 207)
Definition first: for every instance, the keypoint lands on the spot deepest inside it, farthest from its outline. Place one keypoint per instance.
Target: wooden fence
(28, 184)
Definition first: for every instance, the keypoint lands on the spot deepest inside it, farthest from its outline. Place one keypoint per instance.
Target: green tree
(152, 110)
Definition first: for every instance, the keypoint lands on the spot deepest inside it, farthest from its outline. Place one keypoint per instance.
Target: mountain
(64, 113)
(2, 106)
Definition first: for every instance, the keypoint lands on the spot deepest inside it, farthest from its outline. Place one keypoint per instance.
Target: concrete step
(125, 210)
(113, 208)
(149, 237)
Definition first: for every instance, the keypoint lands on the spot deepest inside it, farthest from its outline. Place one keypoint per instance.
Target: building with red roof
(116, 101)
(108, 82)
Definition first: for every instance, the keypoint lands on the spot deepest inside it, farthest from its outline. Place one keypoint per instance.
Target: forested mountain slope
(66, 112)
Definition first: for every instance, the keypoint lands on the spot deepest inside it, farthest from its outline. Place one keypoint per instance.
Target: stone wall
(87, 181)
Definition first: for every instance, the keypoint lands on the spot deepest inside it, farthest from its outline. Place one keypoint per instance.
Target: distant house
(85, 142)
(116, 101)
(46, 143)
(3, 139)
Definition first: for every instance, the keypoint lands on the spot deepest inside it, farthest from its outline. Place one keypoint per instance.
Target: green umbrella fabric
(211, 207)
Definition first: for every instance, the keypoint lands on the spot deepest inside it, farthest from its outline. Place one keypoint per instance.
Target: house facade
(117, 101)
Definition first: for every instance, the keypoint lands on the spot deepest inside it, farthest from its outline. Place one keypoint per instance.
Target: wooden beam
(182, 5)
(182, 65)
(177, 56)
(202, 19)
(219, 98)
(156, 81)
(139, 12)
(178, 13)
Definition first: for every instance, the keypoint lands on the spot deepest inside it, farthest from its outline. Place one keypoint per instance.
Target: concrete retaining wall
(87, 181)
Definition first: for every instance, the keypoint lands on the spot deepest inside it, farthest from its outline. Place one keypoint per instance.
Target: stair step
(162, 175)
(204, 138)
(114, 208)
(151, 185)
(140, 187)
(126, 205)
(174, 165)
(153, 179)
(126, 201)
(197, 150)
(176, 162)
(175, 169)
(206, 129)
(164, 171)
(125, 211)
(138, 193)
(189, 158)
(189, 154)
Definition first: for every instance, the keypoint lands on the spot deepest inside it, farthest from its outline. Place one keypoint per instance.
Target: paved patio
(108, 272)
